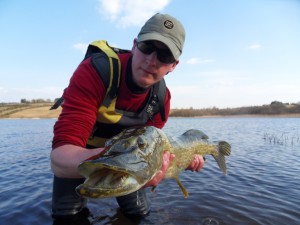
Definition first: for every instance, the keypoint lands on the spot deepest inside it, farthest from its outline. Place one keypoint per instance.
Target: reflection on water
(262, 185)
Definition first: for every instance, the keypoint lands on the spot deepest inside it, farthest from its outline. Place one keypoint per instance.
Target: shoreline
(292, 115)
(43, 111)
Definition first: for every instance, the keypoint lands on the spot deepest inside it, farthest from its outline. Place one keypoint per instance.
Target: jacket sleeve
(82, 99)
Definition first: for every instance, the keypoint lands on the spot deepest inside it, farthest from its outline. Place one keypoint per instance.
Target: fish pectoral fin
(184, 191)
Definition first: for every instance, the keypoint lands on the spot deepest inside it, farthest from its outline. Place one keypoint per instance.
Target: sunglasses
(163, 55)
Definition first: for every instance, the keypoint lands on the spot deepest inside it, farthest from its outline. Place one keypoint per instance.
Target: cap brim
(166, 40)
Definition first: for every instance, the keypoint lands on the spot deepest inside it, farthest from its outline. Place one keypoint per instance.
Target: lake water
(262, 185)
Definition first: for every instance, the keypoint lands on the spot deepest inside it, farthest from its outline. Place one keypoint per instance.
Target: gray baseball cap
(166, 29)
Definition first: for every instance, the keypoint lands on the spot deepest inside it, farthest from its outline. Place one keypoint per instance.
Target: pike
(134, 156)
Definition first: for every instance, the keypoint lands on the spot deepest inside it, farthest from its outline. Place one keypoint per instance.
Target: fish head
(131, 159)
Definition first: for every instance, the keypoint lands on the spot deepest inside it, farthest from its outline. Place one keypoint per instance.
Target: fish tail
(224, 149)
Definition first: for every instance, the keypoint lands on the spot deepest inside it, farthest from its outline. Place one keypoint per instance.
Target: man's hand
(197, 164)
(167, 159)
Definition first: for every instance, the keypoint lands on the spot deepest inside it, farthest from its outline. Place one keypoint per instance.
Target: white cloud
(127, 13)
(236, 74)
(255, 46)
(194, 61)
(81, 46)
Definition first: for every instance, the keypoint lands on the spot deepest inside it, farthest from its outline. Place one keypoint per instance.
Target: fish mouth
(107, 182)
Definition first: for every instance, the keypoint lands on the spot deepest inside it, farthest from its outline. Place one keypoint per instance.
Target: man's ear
(173, 66)
(134, 44)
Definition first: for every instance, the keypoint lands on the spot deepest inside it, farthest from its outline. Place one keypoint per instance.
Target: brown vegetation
(275, 108)
(28, 110)
(40, 109)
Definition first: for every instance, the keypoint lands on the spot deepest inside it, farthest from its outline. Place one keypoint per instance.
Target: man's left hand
(197, 163)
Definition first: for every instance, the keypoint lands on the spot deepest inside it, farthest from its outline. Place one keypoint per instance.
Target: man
(155, 53)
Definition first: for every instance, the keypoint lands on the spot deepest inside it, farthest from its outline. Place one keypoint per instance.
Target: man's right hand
(66, 158)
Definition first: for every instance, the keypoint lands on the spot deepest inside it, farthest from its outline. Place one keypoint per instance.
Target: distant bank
(41, 110)
(32, 110)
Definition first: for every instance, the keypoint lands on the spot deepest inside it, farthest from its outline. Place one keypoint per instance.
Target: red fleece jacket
(84, 96)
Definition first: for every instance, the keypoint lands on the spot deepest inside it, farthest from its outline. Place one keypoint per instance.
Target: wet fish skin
(195, 142)
(187, 145)
(133, 157)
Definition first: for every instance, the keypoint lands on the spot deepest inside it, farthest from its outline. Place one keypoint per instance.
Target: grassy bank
(41, 110)
(28, 110)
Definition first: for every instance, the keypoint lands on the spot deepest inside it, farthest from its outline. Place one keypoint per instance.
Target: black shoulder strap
(57, 103)
(159, 93)
(110, 75)
(107, 64)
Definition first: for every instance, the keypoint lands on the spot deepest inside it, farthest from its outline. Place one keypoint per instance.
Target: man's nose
(152, 58)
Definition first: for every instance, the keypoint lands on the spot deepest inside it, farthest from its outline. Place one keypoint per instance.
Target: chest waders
(110, 121)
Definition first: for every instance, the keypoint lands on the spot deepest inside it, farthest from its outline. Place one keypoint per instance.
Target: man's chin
(144, 84)
(144, 81)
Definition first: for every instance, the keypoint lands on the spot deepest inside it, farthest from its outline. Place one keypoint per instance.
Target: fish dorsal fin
(195, 133)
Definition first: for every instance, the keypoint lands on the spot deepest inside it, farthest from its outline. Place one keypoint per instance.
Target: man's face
(151, 61)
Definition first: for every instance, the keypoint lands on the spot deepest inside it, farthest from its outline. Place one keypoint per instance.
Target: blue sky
(237, 52)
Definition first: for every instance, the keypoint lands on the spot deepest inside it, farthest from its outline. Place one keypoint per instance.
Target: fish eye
(141, 143)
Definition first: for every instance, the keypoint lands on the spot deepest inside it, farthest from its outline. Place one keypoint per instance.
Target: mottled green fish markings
(133, 157)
